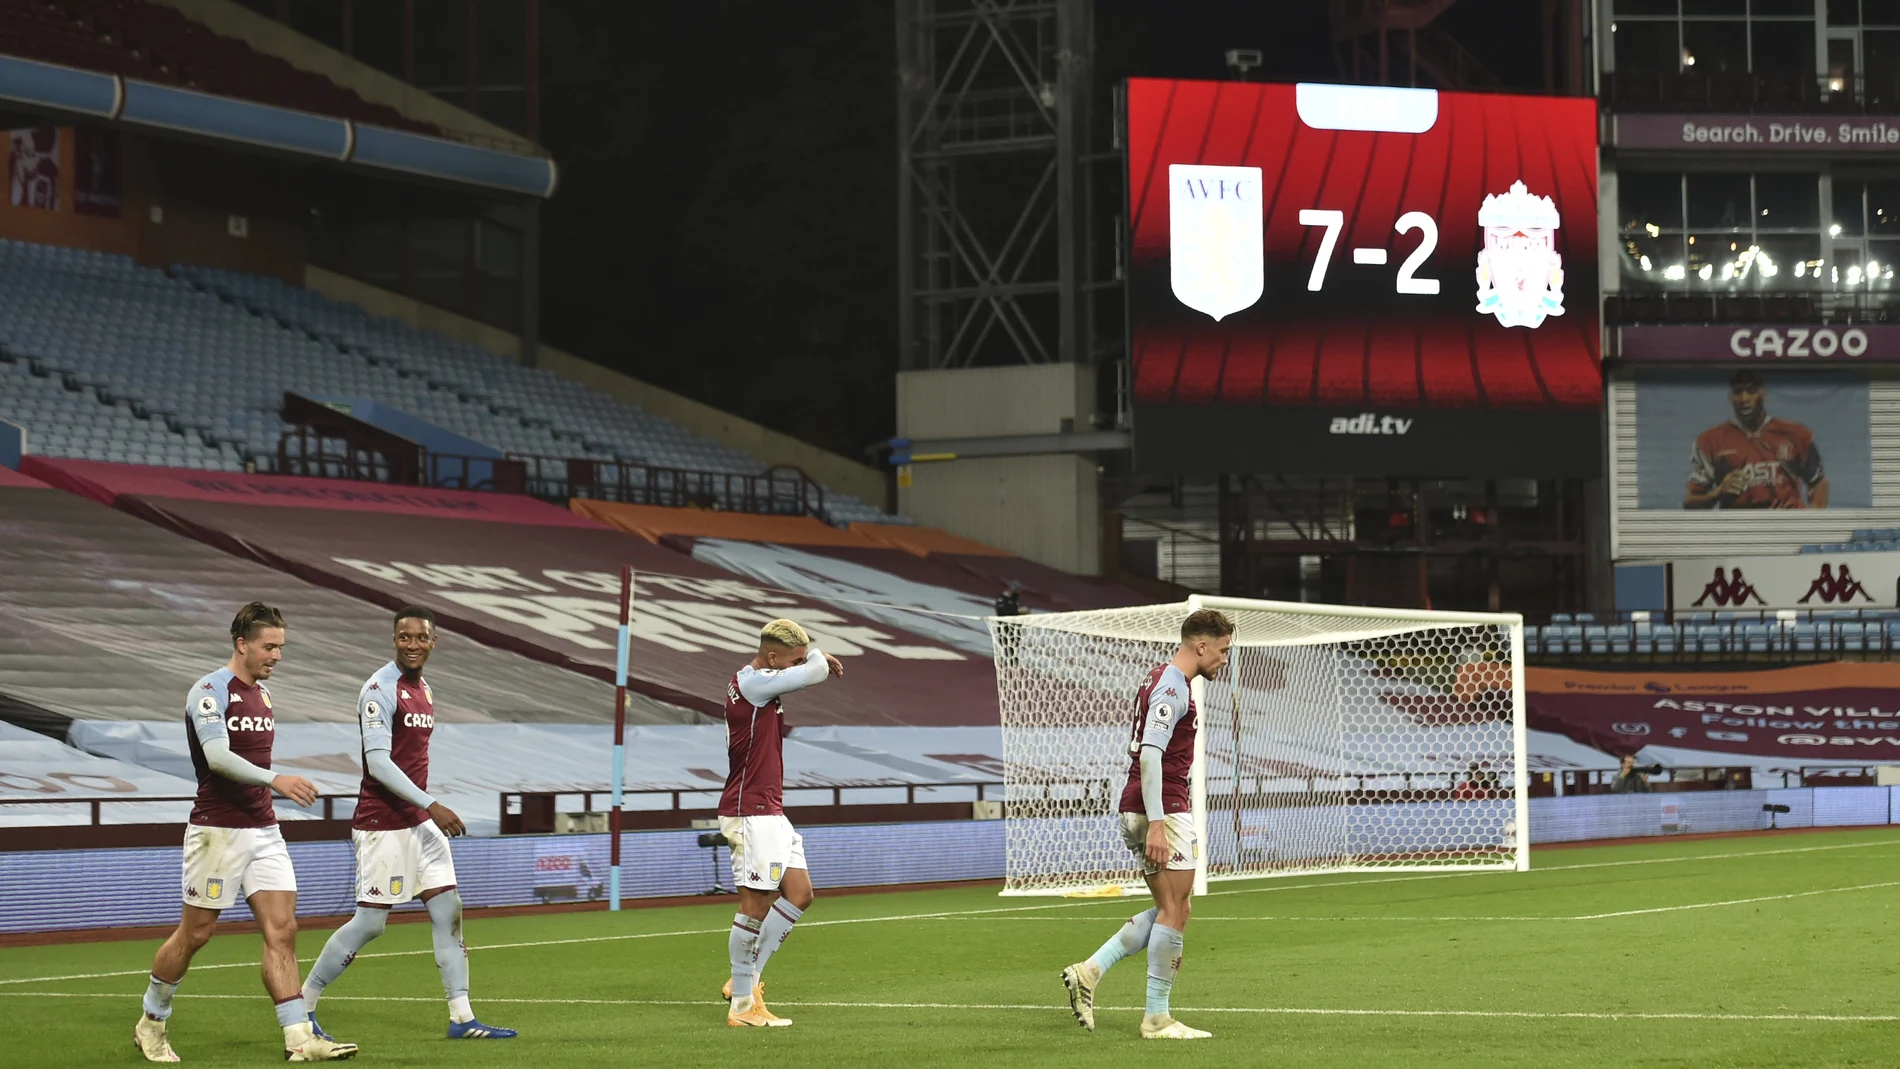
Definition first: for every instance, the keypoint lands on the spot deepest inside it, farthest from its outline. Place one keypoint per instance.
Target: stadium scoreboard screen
(1330, 279)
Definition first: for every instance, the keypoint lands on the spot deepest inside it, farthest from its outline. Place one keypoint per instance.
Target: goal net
(1337, 739)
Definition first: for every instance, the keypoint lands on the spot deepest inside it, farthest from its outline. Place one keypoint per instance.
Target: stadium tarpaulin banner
(1814, 713)
(1754, 440)
(1331, 279)
(901, 565)
(11, 478)
(107, 483)
(1799, 581)
(536, 579)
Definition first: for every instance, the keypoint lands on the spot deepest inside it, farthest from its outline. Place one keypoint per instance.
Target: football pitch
(1767, 951)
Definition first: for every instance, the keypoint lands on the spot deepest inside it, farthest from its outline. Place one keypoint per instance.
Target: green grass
(1780, 951)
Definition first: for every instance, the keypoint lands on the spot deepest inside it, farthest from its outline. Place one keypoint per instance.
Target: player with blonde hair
(768, 854)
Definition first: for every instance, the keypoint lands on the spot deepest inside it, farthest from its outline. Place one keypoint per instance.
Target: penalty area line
(1056, 1008)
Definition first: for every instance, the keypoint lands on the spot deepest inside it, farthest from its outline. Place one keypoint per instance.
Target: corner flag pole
(621, 642)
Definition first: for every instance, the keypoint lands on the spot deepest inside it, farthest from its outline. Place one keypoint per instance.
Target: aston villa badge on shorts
(776, 872)
(395, 887)
(214, 888)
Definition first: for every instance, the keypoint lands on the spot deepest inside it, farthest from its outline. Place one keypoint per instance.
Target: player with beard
(233, 847)
(1158, 827)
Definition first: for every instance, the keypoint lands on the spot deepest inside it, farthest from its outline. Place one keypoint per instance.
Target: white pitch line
(1383, 918)
(1271, 888)
(1737, 901)
(1057, 1008)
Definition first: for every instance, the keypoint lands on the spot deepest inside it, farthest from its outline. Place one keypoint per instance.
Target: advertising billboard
(1754, 440)
(1362, 280)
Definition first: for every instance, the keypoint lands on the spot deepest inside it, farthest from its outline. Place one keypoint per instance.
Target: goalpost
(1338, 739)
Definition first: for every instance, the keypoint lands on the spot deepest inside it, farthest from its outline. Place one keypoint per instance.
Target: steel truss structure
(999, 257)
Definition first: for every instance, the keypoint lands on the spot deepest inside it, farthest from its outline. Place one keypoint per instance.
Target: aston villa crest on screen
(1520, 274)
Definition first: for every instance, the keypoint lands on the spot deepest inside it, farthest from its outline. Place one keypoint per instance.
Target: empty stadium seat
(474, 393)
(189, 369)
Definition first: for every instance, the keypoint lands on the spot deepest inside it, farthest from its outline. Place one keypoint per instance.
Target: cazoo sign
(1785, 342)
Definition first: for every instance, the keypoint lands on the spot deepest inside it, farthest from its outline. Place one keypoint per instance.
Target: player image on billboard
(1341, 279)
(1755, 461)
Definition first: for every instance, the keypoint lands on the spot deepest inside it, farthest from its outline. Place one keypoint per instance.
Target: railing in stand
(779, 491)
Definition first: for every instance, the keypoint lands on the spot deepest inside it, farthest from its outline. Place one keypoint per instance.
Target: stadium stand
(106, 617)
(1863, 540)
(472, 765)
(541, 581)
(1777, 636)
(519, 410)
(189, 370)
(155, 43)
(38, 766)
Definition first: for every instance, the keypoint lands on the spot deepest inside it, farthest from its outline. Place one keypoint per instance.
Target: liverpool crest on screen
(1520, 274)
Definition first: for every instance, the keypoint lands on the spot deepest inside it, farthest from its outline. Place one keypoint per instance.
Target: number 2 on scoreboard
(1334, 221)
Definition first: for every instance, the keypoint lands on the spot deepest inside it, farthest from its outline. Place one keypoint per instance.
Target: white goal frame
(1516, 831)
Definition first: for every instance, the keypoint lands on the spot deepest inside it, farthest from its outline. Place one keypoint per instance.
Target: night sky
(726, 222)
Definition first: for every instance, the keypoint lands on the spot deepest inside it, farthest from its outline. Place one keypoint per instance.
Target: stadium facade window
(1722, 232)
(1715, 37)
(1865, 226)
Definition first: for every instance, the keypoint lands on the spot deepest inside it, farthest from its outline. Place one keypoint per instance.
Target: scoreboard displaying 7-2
(1333, 279)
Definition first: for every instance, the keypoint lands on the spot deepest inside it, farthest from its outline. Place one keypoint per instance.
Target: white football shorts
(763, 850)
(1184, 846)
(393, 867)
(224, 865)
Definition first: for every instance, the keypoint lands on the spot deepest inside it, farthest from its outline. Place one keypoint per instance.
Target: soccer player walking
(233, 847)
(401, 833)
(1158, 825)
(768, 854)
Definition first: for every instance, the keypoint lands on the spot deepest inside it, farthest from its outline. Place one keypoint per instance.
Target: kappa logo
(1732, 589)
(1177, 856)
(402, 694)
(214, 888)
(375, 891)
(235, 698)
(753, 876)
(191, 892)
(1520, 274)
(1172, 693)
(1835, 587)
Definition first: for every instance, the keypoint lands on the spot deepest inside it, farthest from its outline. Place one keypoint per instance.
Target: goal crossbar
(1344, 739)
